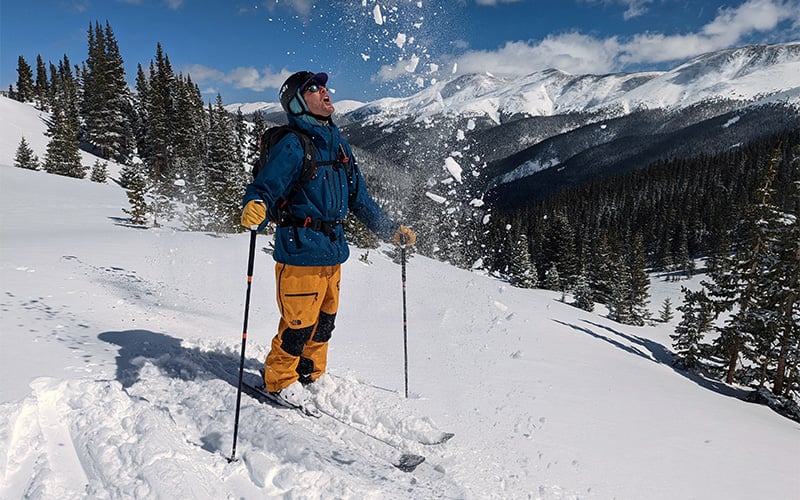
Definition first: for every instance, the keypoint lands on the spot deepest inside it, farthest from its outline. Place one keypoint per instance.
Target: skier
(310, 244)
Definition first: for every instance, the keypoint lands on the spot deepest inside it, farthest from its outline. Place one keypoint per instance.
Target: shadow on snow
(652, 351)
(171, 358)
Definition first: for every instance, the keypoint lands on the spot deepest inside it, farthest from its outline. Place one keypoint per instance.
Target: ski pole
(405, 314)
(250, 260)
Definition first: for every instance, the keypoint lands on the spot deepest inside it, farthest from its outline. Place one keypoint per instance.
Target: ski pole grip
(260, 227)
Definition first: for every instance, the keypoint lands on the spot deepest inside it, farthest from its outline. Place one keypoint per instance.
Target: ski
(406, 461)
(310, 411)
(443, 438)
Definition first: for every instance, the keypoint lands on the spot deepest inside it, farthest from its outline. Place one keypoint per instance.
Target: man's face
(318, 100)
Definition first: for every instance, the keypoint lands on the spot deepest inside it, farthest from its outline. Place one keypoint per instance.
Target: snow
(120, 347)
(453, 168)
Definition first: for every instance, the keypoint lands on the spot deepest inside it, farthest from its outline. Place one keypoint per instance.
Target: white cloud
(579, 53)
(302, 7)
(572, 52)
(241, 78)
(728, 29)
(635, 8)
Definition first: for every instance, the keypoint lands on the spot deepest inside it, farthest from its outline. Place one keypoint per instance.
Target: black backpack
(268, 139)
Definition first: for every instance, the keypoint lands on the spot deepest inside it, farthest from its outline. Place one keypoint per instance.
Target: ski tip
(440, 439)
(408, 462)
(445, 437)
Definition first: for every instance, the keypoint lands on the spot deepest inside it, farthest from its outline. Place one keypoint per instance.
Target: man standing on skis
(310, 243)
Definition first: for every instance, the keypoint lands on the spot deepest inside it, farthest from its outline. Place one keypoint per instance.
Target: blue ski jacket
(337, 187)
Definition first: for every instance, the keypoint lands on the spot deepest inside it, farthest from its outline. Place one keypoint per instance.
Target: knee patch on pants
(293, 341)
(325, 326)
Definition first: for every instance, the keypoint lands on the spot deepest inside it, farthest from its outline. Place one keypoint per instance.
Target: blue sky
(377, 48)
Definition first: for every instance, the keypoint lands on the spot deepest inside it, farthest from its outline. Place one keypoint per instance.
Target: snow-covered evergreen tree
(25, 90)
(190, 145)
(639, 289)
(41, 89)
(522, 272)
(584, 295)
(757, 283)
(99, 172)
(225, 174)
(697, 321)
(136, 187)
(106, 109)
(25, 157)
(666, 314)
(258, 128)
(63, 155)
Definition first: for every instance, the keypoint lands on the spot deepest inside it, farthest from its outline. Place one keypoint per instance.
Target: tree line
(179, 154)
(739, 211)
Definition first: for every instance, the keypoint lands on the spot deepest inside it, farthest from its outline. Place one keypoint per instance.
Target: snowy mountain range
(741, 74)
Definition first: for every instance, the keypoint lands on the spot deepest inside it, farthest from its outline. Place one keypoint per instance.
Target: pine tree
(521, 272)
(99, 172)
(259, 126)
(697, 321)
(552, 280)
(25, 90)
(787, 289)
(25, 157)
(747, 283)
(600, 273)
(106, 109)
(41, 89)
(160, 116)
(191, 130)
(619, 305)
(666, 315)
(584, 296)
(640, 282)
(559, 249)
(225, 175)
(63, 156)
(137, 187)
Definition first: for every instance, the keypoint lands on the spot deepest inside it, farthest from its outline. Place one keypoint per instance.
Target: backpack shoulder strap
(309, 168)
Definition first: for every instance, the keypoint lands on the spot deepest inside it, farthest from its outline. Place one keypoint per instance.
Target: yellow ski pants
(308, 298)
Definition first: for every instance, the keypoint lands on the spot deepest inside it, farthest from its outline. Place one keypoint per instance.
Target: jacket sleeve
(364, 207)
(275, 179)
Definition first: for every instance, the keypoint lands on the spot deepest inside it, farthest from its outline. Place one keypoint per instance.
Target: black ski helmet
(294, 86)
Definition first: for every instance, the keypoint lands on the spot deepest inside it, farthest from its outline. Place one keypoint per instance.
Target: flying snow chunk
(412, 64)
(364, 57)
(400, 40)
(453, 167)
(377, 15)
(476, 202)
(435, 197)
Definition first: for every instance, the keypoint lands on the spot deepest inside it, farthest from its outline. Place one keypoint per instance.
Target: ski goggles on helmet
(314, 83)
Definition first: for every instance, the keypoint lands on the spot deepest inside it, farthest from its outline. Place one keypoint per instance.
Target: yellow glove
(404, 236)
(254, 214)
